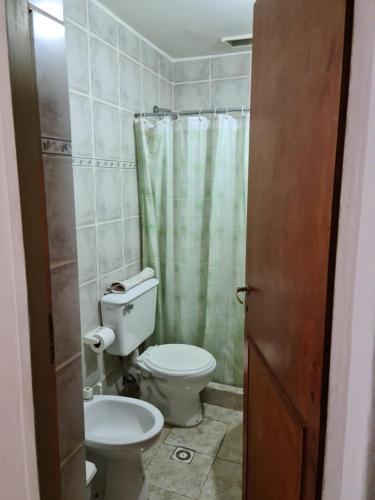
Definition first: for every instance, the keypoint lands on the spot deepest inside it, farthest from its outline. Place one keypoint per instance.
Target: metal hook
(215, 113)
(243, 111)
(200, 116)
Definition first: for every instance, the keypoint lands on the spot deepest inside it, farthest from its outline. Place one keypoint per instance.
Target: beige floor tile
(223, 482)
(231, 449)
(159, 494)
(147, 455)
(177, 477)
(204, 438)
(222, 414)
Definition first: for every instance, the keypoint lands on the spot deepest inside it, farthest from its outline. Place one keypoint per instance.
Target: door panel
(276, 466)
(296, 101)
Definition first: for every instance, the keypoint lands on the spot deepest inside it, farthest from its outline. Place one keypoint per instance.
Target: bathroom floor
(203, 462)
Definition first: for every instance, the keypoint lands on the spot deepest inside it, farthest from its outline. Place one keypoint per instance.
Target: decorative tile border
(56, 146)
(93, 162)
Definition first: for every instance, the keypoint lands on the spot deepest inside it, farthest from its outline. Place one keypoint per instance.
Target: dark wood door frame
(33, 210)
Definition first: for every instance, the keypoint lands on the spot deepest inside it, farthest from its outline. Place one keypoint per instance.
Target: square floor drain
(183, 455)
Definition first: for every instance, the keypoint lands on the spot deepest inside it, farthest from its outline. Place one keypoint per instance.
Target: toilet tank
(131, 315)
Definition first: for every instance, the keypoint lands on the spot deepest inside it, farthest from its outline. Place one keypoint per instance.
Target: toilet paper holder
(98, 340)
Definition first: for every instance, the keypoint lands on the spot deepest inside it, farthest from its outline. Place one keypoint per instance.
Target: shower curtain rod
(168, 112)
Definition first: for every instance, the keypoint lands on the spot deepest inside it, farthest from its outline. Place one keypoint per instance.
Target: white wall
(350, 421)
(18, 470)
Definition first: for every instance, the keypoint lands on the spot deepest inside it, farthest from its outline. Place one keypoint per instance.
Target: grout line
(93, 152)
(144, 39)
(222, 78)
(67, 362)
(62, 263)
(71, 454)
(120, 21)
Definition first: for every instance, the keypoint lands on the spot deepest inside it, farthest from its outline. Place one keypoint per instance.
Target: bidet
(117, 431)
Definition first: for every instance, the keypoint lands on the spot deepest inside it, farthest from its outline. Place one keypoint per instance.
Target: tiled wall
(112, 74)
(58, 177)
(212, 82)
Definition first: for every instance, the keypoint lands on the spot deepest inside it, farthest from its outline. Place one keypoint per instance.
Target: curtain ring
(243, 111)
(215, 113)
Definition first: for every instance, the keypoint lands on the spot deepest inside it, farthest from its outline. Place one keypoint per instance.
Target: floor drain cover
(183, 455)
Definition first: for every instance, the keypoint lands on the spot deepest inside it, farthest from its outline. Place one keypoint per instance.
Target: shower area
(192, 181)
(160, 167)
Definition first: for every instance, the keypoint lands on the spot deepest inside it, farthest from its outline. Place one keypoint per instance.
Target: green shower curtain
(192, 175)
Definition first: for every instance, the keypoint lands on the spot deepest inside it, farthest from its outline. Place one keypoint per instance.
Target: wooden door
(298, 103)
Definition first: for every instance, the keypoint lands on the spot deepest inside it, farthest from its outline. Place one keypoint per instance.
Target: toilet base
(182, 409)
(122, 479)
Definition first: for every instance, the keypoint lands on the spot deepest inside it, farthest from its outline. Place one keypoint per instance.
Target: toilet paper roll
(102, 339)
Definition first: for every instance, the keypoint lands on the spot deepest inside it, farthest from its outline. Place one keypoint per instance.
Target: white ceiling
(186, 28)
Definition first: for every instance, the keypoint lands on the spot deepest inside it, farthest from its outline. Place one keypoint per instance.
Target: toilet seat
(177, 360)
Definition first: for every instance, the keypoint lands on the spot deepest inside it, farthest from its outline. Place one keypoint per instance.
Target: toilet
(90, 473)
(172, 375)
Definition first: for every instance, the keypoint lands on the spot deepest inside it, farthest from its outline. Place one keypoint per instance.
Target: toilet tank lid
(90, 472)
(127, 297)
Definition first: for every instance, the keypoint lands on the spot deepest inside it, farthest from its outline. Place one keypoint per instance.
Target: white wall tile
(69, 407)
(110, 246)
(150, 56)
(106, 131)
(108, 193)
(86, 247)
(166, 94)
(132, 269)
(166, 68)
(84, 195)
(191, 96)
(230, 93)
(130, 84)
(127, 136)
(129, 42)
(233, 65)
(132, 240)
(89, 306)
(130, 192)
(52, 79)
(80, 116)
(150, 90)
(77, 51)
(76, 10)
(104, 71)
(194, 70)
(102, 24)
(60, 208)
(66, 322)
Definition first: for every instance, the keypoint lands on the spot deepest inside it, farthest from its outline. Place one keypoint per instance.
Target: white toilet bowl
(117, 431)
(173, 375)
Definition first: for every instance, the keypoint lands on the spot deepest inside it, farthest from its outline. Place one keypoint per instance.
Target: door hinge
(51, 339)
